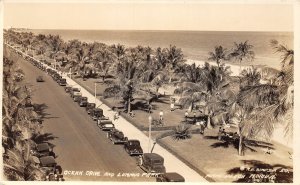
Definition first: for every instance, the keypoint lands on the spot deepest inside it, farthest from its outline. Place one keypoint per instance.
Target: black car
(152, 163)
(62, 82)
(68, 89)
(117, 136)
(101, 119)
(83, 101)
(170, 177)
(133, 147)
(77, 98)
(47, 161)
(96, 113)
(75, 91)
(40, 79)
(89, 107)
(106, 125)
(42, 149)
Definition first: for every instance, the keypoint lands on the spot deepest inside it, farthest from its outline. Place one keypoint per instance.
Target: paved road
(79, 144)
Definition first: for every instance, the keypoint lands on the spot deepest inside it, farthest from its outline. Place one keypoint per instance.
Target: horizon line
(287, 31)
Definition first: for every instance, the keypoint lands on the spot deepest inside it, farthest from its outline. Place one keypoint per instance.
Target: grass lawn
(211, 156)
(215, 160)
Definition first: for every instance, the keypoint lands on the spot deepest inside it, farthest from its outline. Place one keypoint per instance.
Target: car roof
(174, 177)
(153, 156)
(42, 147)
(106, 122)
(47, 160)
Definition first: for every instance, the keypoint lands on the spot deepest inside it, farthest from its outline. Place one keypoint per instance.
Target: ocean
(194, 44)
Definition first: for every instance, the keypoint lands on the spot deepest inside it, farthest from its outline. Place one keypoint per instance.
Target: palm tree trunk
(241, 141)
(129, 105)
(209, 126)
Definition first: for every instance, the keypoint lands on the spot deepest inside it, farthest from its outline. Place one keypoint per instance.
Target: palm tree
(282, 111)
(119, 51)
(104, 62)
(218, 55)
(287, 55)
(18, 126)
(242, 52)
(174, 57)
(251, 76)
(250, 102)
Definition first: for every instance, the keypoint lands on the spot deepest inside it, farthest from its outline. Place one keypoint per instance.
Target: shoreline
(234, 68)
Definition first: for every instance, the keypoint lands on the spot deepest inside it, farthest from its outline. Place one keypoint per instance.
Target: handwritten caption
(108, 174)
(254, 173)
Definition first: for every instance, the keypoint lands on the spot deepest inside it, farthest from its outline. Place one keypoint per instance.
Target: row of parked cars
(149, 162)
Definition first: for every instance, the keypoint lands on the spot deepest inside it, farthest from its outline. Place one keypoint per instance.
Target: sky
(158, 15)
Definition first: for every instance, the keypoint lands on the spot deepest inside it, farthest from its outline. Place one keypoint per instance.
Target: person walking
(150, 108)
(161, 114)
(172, 106)
(116, 115)
(186, 114)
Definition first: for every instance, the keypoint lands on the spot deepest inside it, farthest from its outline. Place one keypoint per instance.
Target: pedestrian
(186, 114)
(116, 116)
(202, 127)
(172, 106)
(161, 114)
(220, 134)
(150, 108)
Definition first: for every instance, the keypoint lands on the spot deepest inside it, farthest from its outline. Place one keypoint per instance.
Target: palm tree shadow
(258, 171)
(40, 109)
(248, 144)
(44, 138)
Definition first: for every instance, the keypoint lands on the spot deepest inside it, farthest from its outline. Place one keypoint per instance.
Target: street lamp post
(95, 91)
(150, 123)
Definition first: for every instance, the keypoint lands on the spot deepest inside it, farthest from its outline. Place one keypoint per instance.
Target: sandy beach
(235, 69)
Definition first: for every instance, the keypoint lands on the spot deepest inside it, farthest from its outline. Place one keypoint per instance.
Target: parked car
(89, 107)
(106, 125)
(101, 119)
(62, 82)
(42, 149)
(96, 113)
(68, 88)
(83, 101)
(133, 147)
(47, 162)
(170, 177)
(58, 78)
(40, 79)
(152, 163)
(77, 97)
(117, 136)
(75, 91)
